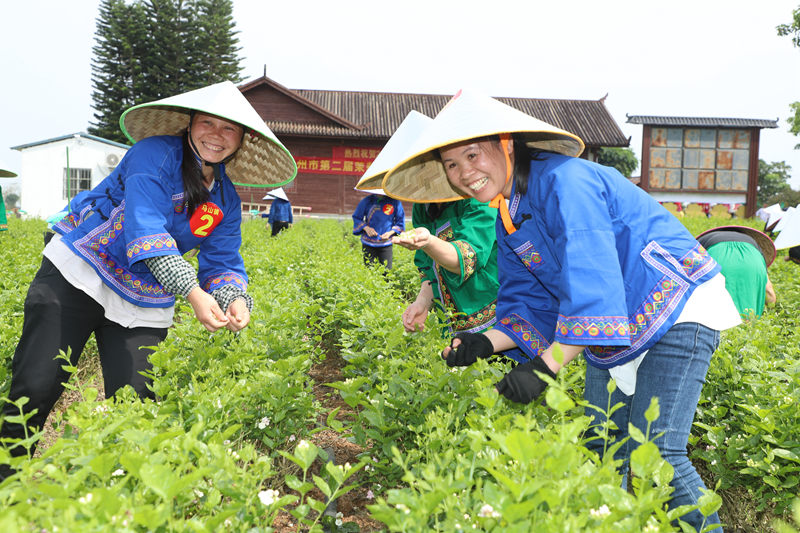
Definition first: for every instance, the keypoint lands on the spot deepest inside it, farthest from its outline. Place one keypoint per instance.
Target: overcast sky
(710, 58)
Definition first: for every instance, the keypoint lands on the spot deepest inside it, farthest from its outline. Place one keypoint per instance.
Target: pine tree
(151, 49)
(171, 26)
(219, 44)
(118, 76)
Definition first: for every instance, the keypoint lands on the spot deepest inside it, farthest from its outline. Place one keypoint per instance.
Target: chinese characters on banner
(343, 160)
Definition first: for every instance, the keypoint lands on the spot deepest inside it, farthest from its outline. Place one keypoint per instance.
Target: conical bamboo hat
(261, 160)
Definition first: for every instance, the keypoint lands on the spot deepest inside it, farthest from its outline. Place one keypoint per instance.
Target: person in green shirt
(456, 254)
(3, 221)
(744, 254)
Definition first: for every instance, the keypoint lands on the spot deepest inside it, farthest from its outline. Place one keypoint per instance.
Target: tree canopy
(150, 49)
(773, 180)
(623, 159)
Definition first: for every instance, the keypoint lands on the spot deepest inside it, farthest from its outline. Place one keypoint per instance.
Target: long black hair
(523, 155)
(195, 192)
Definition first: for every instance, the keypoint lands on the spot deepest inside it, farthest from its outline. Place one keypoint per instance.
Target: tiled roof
(379, 114)
(712, 122)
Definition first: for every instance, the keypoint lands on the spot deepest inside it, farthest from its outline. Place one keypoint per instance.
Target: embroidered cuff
(595, 330)
(468, 259)
(524, 334)
(142, 247)
(227, 278)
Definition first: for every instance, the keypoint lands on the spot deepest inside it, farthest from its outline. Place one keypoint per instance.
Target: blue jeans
(673, 370)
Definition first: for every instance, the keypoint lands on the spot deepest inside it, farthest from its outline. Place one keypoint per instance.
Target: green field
(240, 434)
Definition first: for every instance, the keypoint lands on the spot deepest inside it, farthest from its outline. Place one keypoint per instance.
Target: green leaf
(636, 434)
(158, 478)
(709, 503)
(323, 486)
(558, 400)
(645, 460)
(653, 411)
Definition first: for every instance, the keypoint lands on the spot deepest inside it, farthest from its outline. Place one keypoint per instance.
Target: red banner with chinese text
(328, 165)
(344, 160)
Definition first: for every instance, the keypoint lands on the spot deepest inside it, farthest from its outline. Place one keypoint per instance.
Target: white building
(55, 170)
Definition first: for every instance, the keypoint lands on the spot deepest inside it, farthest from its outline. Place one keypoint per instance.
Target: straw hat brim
(404, 136)
(765, 244)
(260, 161)
(420, 175)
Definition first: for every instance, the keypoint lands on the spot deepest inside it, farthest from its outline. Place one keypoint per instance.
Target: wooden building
(701, 160)
(335, 135)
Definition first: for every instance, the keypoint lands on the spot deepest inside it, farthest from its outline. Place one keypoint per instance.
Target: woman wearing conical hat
(587, 262)
(280, 212)
(744, 254)
(454, 244)
(115, 265)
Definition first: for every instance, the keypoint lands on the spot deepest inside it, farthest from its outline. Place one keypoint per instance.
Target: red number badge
(388, 209)
(205, 218)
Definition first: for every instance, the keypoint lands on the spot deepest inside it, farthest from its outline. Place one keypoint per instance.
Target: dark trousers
(278, 227)
(382, 254)
(59, 317)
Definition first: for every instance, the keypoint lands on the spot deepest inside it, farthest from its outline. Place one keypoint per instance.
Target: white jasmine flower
(85, 499)
(263, 423)
(268, 497)
(487, 511)
(370, 494)
(118, 472)
(602, 512)
(292, 438)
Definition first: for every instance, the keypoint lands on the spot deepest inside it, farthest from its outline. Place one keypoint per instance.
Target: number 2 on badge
(202, 230)
(205, 218)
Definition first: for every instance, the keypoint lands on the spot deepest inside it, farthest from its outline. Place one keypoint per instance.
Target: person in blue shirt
(280, 212)
(115, 262)
(377, 219)
(588, 264)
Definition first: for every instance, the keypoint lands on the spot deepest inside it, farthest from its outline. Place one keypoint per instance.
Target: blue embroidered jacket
(280, 211)
(382, 214)
(596, 261)
(138, 211)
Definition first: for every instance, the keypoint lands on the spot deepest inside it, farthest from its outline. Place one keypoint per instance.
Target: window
(80, 179)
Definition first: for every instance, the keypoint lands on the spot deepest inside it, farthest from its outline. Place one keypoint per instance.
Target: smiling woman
(588, 264)
(114, 264)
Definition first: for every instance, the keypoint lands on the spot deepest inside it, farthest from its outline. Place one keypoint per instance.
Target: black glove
(473, 345)
(521, 384)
